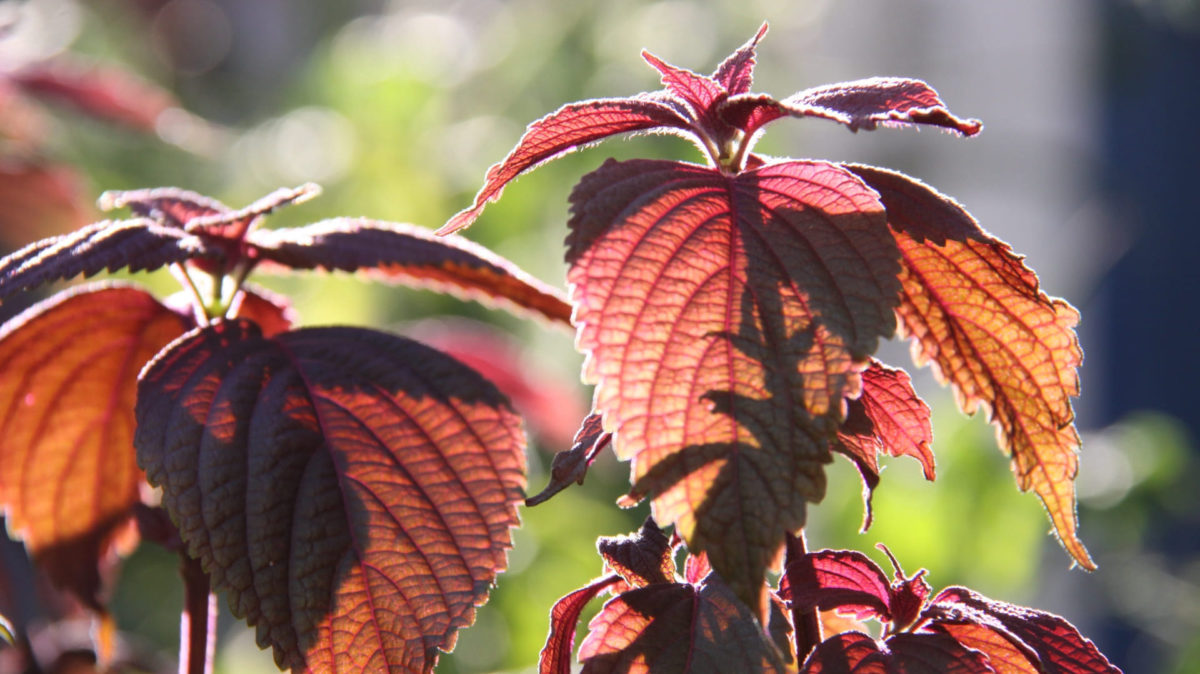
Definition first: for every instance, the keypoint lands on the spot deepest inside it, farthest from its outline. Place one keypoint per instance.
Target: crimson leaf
(725, 318)
(857, 653)
(396, 252)
(560, 644)
(351, 491)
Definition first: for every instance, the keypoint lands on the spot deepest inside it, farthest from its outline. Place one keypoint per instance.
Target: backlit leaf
(402, 253)
(736, 73)
(170, 206)
(128, 244)
(564, 130)
(1062, 649)
(349, 490)
(1003, 655)
(863, 104)
(560, 644)
(68, 375)
(725, 318)
(888, 417)
(857, 653)
(39, 199)
(678, 627)
(975, 311)
(843, 579)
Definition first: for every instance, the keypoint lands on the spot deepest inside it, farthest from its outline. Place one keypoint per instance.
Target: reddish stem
(198, 624)
(806, 625)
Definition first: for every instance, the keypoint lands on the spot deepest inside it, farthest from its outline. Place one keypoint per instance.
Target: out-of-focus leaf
(68, 375)
(351, 491)
(550, 402)
(725, 318)
(560, 644)
(106, 93)
(570, 466)
(975, 311)
(1061, 648)
(568, 128)
(128, 244)
(402, 253)
(38, 200)
(678, 627)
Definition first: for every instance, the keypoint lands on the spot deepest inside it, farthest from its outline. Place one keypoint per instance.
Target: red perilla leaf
(401, 253)
(641, 559)
(724, 324)
(857, 653)
(351, 491)
(68, 375)
(678, 627)
(843, 579)
(130, 244)
(106, 93)
(888, 417)
(975, 311)
(560, 644)
(570, 466)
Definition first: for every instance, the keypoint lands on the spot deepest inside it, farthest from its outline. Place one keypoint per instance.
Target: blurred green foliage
(398, 112)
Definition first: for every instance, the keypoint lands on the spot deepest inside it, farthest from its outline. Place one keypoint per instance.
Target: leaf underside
(351, 491)
(68, 375)
(725, 317)
(396, 252)
(975, 312)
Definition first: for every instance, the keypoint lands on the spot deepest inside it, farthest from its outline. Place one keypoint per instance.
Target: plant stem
(198, 624)
(806, 625)
(185, 279)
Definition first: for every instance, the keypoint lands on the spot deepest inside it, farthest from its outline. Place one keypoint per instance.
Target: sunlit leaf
(349, 490)
(843, 579)
(725, 318)
(1003, 655)
(569, 128)
(402, 253)
(975, 311)
(678, 627)
(1061, 648)
(736, 73)
(560, 644)
(128, 244)
(68, 375)
(170, 206)
(863, 104)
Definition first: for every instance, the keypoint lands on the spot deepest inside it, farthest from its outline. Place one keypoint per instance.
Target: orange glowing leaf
(678, 627)
(975, 311)
(350, 491)
(68, 375)
(1004, 656)
(725, 318)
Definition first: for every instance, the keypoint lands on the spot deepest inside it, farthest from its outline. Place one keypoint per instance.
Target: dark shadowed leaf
(349, 490)
(678, 627)
(1061, 648)
(272, 312)
(570, 466)
(857, 653)
(975, 311)
(725, 318)
(402, 253)
(641, 559)
(560, 644)
(129, 244)
(170, 206)
(68, 376)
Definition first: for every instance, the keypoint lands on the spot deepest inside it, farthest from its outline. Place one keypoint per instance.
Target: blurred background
(1087, 165)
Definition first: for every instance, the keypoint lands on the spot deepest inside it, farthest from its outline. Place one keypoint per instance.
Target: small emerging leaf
(975, 311)
(641, 559)
(571, 466)
(68, 375)
(351, 491)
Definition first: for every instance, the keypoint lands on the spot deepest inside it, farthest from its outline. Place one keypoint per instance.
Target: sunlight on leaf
(68, 375)
(350, 491)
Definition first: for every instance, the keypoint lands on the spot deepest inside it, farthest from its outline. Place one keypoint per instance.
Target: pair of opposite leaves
(779, 277)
